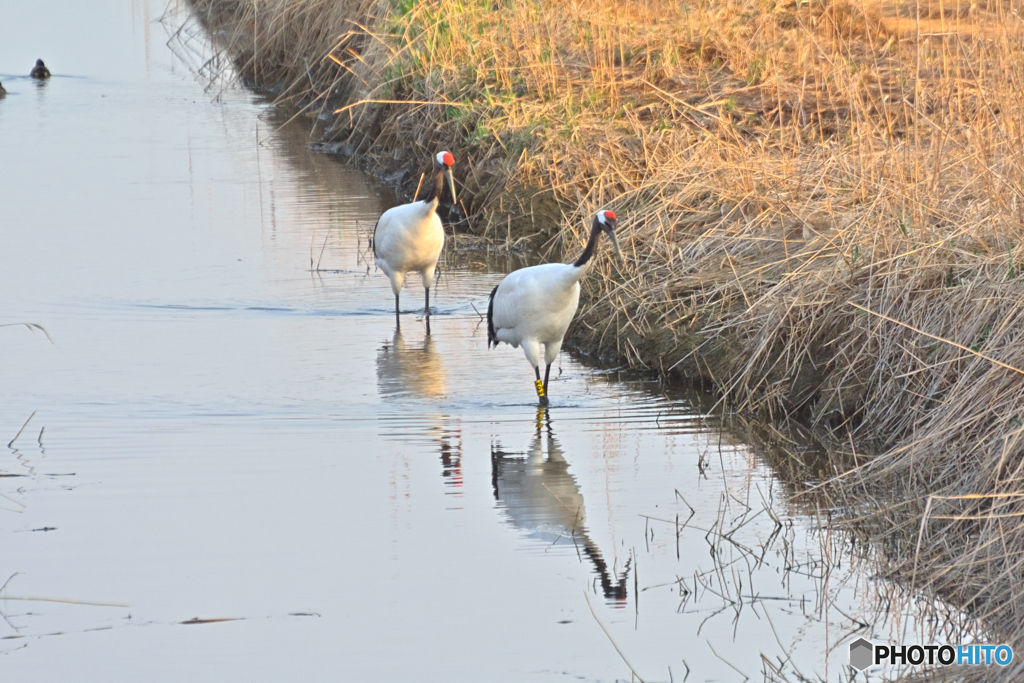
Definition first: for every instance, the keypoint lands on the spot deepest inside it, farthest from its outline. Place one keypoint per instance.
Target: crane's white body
(534, 306)
(408, 238)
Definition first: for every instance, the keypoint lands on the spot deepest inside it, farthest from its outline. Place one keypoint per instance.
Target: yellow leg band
(540, 387)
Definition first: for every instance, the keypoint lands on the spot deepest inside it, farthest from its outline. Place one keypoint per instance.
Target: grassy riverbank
(822, 202)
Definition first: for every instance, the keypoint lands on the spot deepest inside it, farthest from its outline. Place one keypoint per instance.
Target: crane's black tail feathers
(492, 338)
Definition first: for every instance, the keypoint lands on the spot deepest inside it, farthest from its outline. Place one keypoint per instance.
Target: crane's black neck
(435, 187)
(591, 248)
(613, 587)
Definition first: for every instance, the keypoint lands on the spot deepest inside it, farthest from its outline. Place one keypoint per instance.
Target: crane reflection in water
(410, 370)
(540, 496)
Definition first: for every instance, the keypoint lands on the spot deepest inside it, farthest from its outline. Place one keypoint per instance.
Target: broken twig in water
(731, 665)
(64, 601)
(319, 258)
(33, 327)
(197, 620)
(9, 443)
(598, 620)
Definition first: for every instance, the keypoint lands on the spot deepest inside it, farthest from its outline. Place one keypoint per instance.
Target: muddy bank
(823, 213)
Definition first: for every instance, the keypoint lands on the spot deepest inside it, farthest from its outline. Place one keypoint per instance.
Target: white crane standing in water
(534, 306)
(409, 237)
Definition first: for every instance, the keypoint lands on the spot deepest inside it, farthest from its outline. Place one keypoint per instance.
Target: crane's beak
(615, 243)
(451, 183)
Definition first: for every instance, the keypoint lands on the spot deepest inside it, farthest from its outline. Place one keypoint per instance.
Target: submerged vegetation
(822, 203)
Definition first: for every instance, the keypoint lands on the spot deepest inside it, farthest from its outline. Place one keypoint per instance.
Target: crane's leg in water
(397, 319)
(547, 371)
(541, 394)
(426, 306)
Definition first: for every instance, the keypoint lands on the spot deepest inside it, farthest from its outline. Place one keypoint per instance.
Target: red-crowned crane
(409, 237)
(534, 306)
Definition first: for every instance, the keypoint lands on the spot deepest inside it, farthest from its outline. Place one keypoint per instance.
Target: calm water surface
(220, 433)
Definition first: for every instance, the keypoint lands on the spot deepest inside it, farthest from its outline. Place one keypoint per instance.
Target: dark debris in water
(197, 620)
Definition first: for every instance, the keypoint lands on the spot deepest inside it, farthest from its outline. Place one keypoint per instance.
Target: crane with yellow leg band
(534, 306)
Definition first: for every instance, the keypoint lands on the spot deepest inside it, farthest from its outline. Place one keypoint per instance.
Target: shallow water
(218, 432)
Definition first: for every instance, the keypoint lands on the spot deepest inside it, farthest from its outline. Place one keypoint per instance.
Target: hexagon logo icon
(861, 654)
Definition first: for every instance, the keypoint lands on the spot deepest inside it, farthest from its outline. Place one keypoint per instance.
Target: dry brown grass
(823, 209)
